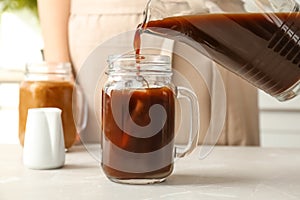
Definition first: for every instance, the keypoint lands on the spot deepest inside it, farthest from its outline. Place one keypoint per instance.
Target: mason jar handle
(81, 108)
(193, 108)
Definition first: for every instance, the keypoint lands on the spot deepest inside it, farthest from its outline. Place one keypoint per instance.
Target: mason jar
(138, 119)
(50, 84)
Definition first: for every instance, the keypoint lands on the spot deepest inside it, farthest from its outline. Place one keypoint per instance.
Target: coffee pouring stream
(258, 40)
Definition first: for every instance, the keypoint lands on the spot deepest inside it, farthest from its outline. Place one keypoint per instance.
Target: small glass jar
(51, 85)
(138, 119)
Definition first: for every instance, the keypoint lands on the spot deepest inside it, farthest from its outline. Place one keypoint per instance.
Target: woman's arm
(54, 16)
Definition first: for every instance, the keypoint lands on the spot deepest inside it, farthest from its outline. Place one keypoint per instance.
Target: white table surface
(227, 173)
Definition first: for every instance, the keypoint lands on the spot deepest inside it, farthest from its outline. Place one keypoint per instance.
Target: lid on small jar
(40, 71)
(143, 63)
(49, 68)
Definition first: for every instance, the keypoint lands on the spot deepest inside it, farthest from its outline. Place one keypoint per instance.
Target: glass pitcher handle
(193, 108)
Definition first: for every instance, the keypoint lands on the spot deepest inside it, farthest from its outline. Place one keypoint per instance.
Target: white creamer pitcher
(44, 142)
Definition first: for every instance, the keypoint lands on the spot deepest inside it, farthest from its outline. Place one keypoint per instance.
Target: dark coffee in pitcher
(263, 48)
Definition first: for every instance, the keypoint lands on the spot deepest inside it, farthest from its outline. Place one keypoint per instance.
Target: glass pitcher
(259, 40)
